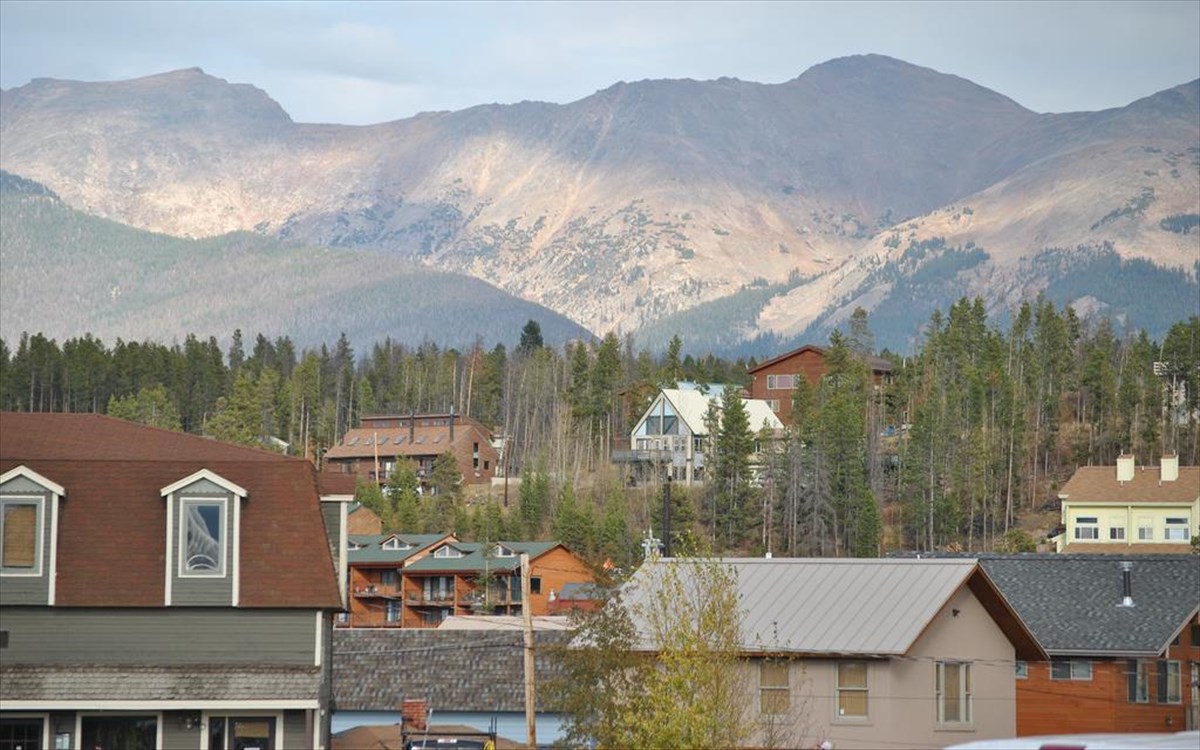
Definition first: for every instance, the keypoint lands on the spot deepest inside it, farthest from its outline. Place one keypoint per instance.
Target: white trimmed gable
(32, 476)
(204, 474)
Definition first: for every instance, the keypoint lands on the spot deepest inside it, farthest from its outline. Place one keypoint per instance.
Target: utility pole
(527, 615)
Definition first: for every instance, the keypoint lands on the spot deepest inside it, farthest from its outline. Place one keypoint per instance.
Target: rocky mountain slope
(66, 273)
(653, 200)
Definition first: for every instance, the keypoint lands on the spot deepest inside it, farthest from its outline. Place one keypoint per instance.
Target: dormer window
(202, 537)
(447, 551)
(20, 535)
(501, 551)
(203, 528)
(352, 546)
(395, 543)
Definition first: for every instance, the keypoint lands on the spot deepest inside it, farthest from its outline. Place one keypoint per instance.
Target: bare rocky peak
(641, 200)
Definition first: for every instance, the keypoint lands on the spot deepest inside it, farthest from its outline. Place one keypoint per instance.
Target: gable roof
(474, 559)
(691, 406)
(111, 535)
(1069, 602)
(1098, 484)
(373, 551)
(835, 606)
(877, 364)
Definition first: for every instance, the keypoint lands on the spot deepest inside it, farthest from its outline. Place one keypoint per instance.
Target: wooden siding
(294, 736)
(1046, 706)
(368, 607)
(809, 363)
(364, 521)
(159, 636)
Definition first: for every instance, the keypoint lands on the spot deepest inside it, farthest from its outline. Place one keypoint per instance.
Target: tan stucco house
(1130, 508)
(870, 653)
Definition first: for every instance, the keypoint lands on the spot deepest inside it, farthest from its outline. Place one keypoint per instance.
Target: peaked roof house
(773, 380)
(159, 589)
(869, 653)
(377, 563)
(463, 578)
(670, 435)
(1122, 634)
(1127, 508)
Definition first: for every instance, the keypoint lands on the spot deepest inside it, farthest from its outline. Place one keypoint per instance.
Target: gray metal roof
(453, 670)
(827, 605)
(192, 682)
(1069, 602)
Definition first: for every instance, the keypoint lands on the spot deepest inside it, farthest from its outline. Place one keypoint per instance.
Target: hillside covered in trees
(975, 431)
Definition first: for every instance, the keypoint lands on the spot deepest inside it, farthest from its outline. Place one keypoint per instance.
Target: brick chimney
(1169, 469)
(413, 713)
(1125, 468)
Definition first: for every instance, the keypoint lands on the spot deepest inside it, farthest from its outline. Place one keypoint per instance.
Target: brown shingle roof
(422, 440)
(1098, 484)
(111, 543)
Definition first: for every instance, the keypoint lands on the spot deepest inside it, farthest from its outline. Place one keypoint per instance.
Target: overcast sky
(369, 62)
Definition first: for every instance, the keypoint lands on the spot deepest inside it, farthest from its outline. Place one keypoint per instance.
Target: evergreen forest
(964, 447)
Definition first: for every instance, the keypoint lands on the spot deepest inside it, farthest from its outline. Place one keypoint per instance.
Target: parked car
(1111, 741)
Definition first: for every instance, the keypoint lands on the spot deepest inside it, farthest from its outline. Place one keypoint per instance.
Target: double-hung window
(954, 692)
(1116, 529)
(20, 535)
(202, 536)
(774, 691)
(852, 695)
(1087, 528)
(1138, 674)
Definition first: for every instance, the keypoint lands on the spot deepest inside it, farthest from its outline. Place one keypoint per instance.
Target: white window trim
(184, 502)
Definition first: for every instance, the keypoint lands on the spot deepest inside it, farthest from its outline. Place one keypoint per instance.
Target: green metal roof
(474, 557)
(373, 552)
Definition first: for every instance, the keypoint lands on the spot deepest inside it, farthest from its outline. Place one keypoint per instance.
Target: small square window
(1070, 669)
(535, 585)
(1022, 670)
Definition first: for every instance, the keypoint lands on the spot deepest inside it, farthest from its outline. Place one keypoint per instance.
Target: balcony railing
(370, 590)
(433, 599)
(494, 598)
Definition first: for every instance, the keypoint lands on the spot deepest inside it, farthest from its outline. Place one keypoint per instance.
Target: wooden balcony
(376, 591)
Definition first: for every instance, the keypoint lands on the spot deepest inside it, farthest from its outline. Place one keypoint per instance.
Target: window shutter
(1162, 681)
(20, 536)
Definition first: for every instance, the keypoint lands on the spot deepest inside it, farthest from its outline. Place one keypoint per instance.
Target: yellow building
(1130, 508)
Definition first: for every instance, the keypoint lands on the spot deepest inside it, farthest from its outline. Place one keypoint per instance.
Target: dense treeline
(973, 432)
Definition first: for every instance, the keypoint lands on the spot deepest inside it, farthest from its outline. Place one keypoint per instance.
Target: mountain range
(731, 212)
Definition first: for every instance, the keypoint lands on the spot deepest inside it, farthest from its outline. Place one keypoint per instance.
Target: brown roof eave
(989, 595)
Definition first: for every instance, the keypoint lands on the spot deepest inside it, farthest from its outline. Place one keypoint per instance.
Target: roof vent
(1126, 584)
(1125, 468)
